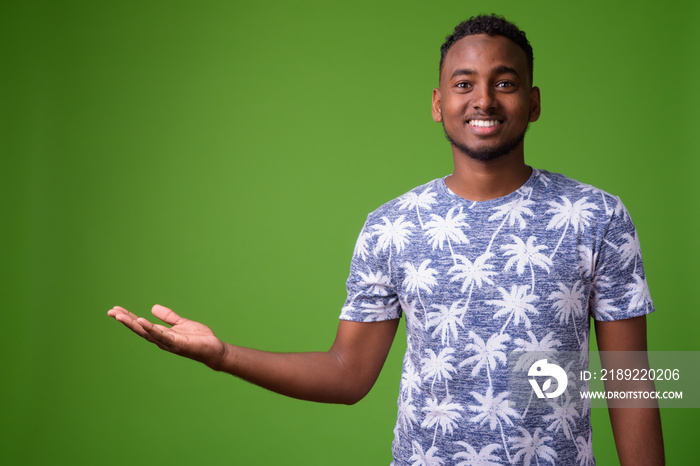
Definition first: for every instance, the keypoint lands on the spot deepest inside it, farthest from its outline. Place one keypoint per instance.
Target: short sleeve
(620, 289)
(371, 295)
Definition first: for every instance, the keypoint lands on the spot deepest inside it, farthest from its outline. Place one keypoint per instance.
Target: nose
(484, 98)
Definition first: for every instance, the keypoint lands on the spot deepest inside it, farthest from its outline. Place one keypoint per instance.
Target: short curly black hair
(493, 25)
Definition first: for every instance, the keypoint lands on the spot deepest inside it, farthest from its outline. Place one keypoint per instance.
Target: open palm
(185, 337)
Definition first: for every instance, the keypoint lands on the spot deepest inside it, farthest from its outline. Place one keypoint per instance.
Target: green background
(220, 158)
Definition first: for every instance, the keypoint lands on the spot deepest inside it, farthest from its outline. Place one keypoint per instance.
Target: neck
(482, 181)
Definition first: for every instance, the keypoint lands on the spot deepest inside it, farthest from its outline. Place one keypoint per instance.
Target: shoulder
(559, 183)
(555, 188)
(420, 197)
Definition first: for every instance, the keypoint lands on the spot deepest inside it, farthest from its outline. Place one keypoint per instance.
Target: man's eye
(463, 85)
(504, 84)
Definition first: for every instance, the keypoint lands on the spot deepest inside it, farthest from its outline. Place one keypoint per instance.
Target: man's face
(485, 100)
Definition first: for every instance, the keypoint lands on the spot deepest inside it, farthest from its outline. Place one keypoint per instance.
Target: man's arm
(343, 374)
(637, 431)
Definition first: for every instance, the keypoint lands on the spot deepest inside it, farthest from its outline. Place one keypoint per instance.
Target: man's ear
(535, 107)
(437, 111)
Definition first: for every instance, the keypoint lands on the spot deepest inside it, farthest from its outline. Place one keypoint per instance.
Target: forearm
(636, 423)
(313, 376)
(638, 437)
(343, 374)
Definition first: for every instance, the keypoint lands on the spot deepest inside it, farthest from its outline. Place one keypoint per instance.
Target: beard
(485, 155)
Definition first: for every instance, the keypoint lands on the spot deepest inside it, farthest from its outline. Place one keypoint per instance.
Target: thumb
(166, 315)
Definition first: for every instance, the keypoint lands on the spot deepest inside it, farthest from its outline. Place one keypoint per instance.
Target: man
(492, 261)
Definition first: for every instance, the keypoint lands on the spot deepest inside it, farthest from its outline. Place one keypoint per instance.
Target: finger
(117, 310)
(156, 333)
(166, 315)
(131, 322)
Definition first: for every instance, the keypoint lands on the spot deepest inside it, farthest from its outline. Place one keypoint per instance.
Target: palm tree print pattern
(484, 283)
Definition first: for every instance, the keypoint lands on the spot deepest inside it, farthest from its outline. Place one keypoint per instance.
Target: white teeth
(484, 123)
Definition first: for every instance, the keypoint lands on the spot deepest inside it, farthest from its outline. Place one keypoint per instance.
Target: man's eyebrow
(501, 69)
(463, 71)
(506, 69)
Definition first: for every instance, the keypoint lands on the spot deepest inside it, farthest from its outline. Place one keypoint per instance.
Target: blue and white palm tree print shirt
(479, 282)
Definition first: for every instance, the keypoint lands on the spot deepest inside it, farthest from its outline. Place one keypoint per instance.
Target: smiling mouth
(485, 123)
